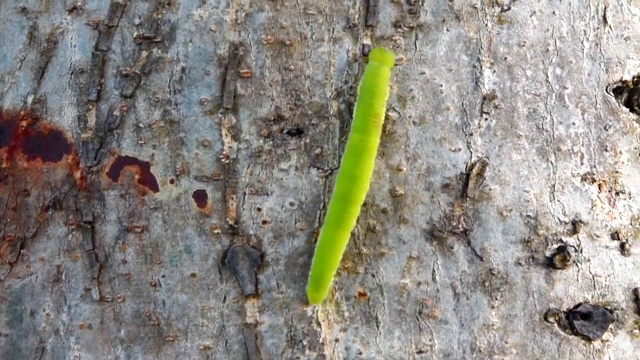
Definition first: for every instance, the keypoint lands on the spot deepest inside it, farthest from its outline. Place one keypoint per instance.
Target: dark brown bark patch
(142, 170)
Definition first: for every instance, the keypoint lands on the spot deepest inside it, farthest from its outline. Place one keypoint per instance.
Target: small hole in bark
(292, 204)
(294, 132)
(560, 259)
(627, 93)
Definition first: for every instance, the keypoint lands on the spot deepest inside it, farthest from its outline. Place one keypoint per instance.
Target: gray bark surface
(502, 143)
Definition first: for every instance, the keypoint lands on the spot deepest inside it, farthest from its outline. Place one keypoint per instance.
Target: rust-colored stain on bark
(23, 137)
(37, 162)
(28, 143)
(142, 170)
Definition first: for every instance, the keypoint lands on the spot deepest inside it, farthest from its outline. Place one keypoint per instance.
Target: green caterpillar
(356, 168)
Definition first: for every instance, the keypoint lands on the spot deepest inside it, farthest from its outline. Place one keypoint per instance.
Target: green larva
(356, 168)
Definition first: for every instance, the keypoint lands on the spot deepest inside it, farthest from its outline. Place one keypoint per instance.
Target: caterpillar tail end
(382, 56)
(315, 297)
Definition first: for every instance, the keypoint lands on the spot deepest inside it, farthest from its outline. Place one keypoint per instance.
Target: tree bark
(166, 165)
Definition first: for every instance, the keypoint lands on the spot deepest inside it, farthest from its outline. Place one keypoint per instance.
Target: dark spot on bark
(589, 321)
(619, 89)
(172, 181)
(625, 248)
(366, 49)
(8, 130)
(48, 145)
(23, 133)
(636, 299)
(561, 258)
(27, 143)
(142, 169)
(200, 197)
(243, 262)
(627, 93)
(292, 204)
(294, 132)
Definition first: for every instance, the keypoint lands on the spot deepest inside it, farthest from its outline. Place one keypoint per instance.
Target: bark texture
(165, 165)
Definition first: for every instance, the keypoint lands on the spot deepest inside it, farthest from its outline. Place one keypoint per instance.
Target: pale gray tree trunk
(166, 165)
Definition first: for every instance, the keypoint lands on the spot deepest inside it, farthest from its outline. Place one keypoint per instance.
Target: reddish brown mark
(201, 198)
(30, 143)
(142, 170)
(24, 134)
(36, 161)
